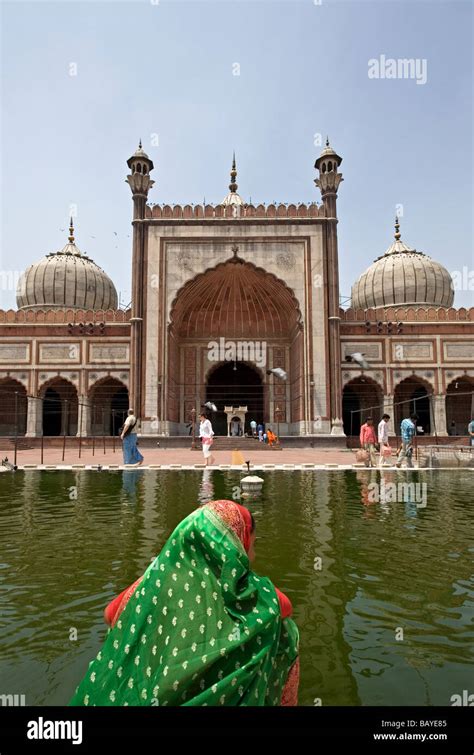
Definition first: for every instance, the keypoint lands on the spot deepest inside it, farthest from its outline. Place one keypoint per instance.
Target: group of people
(408, 430)
(263, 435)
(133, 458)
(369, 441)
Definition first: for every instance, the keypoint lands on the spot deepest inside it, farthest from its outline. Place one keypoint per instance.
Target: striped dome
(403, 276)
(66, 279)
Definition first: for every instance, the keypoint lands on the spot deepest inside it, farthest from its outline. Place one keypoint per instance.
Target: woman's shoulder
(286, 607)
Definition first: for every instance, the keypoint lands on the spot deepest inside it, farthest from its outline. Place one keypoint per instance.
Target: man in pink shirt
(368, 440)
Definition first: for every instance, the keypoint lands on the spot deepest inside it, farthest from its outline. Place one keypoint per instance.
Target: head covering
(201, 628)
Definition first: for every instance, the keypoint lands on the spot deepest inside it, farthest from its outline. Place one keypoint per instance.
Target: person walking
(253, 427)
(368, 440)
(408, 432)
(382, 432)
(206, 433)
(131, 454)
(260, 432)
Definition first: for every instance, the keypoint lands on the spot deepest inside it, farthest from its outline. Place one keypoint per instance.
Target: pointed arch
(235, 299)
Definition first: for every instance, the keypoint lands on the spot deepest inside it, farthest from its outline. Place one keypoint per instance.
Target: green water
(386, 567)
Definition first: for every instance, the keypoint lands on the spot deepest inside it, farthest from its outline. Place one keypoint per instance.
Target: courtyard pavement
(291, 458)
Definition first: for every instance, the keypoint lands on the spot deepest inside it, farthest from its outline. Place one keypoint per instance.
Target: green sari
(200, 629)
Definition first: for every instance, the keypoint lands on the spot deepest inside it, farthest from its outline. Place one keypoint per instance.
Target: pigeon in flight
(359, 359)
(278, 372)
(211, 406)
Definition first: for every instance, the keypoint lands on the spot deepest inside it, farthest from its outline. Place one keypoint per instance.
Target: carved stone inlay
(459, 350)
(285, 260)
(406, 352)
(14, 352)
(370, 350)
(109, 352)
(59, 352)
(184, 261)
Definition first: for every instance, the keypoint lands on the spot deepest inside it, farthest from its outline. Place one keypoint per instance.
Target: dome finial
(397, 229)
(71, 231)
(140, 143)
(233, 175)
(327, 141)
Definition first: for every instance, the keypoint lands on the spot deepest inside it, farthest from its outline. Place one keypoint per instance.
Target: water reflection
(206, 488)
(356, 569)
(130, 478)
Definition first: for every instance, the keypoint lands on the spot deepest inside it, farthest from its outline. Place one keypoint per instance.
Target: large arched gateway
(256, 285)
(229, 326)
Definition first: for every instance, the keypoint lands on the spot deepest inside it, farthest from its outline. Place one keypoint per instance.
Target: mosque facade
(237, 305)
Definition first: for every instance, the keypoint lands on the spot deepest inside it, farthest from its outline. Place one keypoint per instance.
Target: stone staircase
(8, 444)
(223, 443)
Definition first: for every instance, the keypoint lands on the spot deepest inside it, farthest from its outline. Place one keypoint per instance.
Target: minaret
(233, 197)
(140, 183)
(328, 182)
(233, 176)
(398, 235)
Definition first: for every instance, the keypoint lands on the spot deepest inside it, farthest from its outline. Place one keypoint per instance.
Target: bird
(11, 467)
(359, 359)
(115, 232)
(211, 406)
(278, 372)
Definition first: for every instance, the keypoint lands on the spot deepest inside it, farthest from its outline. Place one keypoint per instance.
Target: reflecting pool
(380, 574)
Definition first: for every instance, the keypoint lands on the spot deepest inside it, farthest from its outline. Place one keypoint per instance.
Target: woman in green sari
(200, 627)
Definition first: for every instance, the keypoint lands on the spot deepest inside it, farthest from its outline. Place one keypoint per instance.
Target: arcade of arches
(252, 319)
(437, 414)
(58, 410)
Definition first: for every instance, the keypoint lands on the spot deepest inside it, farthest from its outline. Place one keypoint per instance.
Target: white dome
(403, 276)
(66, 279)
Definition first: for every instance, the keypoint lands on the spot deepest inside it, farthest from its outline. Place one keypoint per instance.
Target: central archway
(234, 304)
(235, 384)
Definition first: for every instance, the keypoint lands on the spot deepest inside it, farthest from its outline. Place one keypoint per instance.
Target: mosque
(261, 282)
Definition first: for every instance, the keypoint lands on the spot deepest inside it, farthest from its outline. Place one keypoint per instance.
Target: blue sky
(167, 68)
